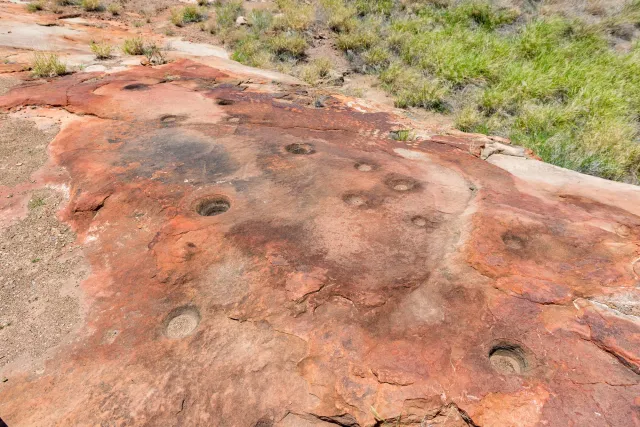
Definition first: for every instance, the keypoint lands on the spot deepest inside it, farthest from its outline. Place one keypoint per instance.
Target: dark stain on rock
(187, 154)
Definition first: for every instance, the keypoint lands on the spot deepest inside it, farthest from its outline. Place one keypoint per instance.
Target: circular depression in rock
(355, 200)
(169, 118)
(300, 148)
(364, 167)
(513, 241)
(622, 230)
(211, 206)
(136, 86)
(222, 101)
(635, 266)
(402, 184)
(508, 359)
(181, 322)
(419, 221)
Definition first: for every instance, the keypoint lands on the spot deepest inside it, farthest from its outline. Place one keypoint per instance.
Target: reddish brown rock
(428, 288)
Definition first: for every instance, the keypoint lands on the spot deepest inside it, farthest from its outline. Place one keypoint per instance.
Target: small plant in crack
(36, 202)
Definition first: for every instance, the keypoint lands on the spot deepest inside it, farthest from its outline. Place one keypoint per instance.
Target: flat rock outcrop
(261, 259)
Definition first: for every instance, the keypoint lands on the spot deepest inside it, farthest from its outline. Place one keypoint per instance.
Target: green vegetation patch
(550, 83)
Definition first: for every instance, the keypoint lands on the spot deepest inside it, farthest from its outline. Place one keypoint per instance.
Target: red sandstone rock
(428, 288)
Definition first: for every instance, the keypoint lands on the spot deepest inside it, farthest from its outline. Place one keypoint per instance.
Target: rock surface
(259, 261)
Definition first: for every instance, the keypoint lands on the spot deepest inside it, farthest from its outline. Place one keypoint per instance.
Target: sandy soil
(41, 266)
(39, 282)
(22, 149)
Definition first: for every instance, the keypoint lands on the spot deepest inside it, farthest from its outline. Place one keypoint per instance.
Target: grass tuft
(91, 5)
(294, 16)
(317, 69)
(133, 46)
(114, 8)
(102, 50)
(288, 44)
(187, 14)
(35, 6)
(47, 65)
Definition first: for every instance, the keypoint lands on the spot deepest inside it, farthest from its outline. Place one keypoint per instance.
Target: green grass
(551, 84)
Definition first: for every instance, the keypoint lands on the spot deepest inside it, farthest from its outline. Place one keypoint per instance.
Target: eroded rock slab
(258, 261)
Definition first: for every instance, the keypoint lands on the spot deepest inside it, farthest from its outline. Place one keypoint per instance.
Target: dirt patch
(22, 149)
(39, 282)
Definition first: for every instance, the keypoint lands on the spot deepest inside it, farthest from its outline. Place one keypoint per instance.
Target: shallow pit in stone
(136, 86)
(211, 206)
(300, 148)
(181, 322)
(169, 119)
(508, 359)
(402, 184)
(364, 167)
(355, 200)
(513, 241)
(419, 221)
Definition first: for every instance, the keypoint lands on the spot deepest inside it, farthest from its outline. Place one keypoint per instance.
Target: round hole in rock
(363, 167)
(300, 148)
(212, 206)
(419, 221)
(222, 101)
(169, 118)
(636, 267)
(136, 86)
(622, 230)
(402, 184)
(354, 200)
(181, 322)
(513, 242)
(508, 359)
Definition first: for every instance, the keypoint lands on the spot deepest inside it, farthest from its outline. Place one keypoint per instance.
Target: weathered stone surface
(351, 280)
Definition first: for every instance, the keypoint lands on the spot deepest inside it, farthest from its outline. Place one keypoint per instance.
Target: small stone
(241, 20)
(19, 164)
(500, 139)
